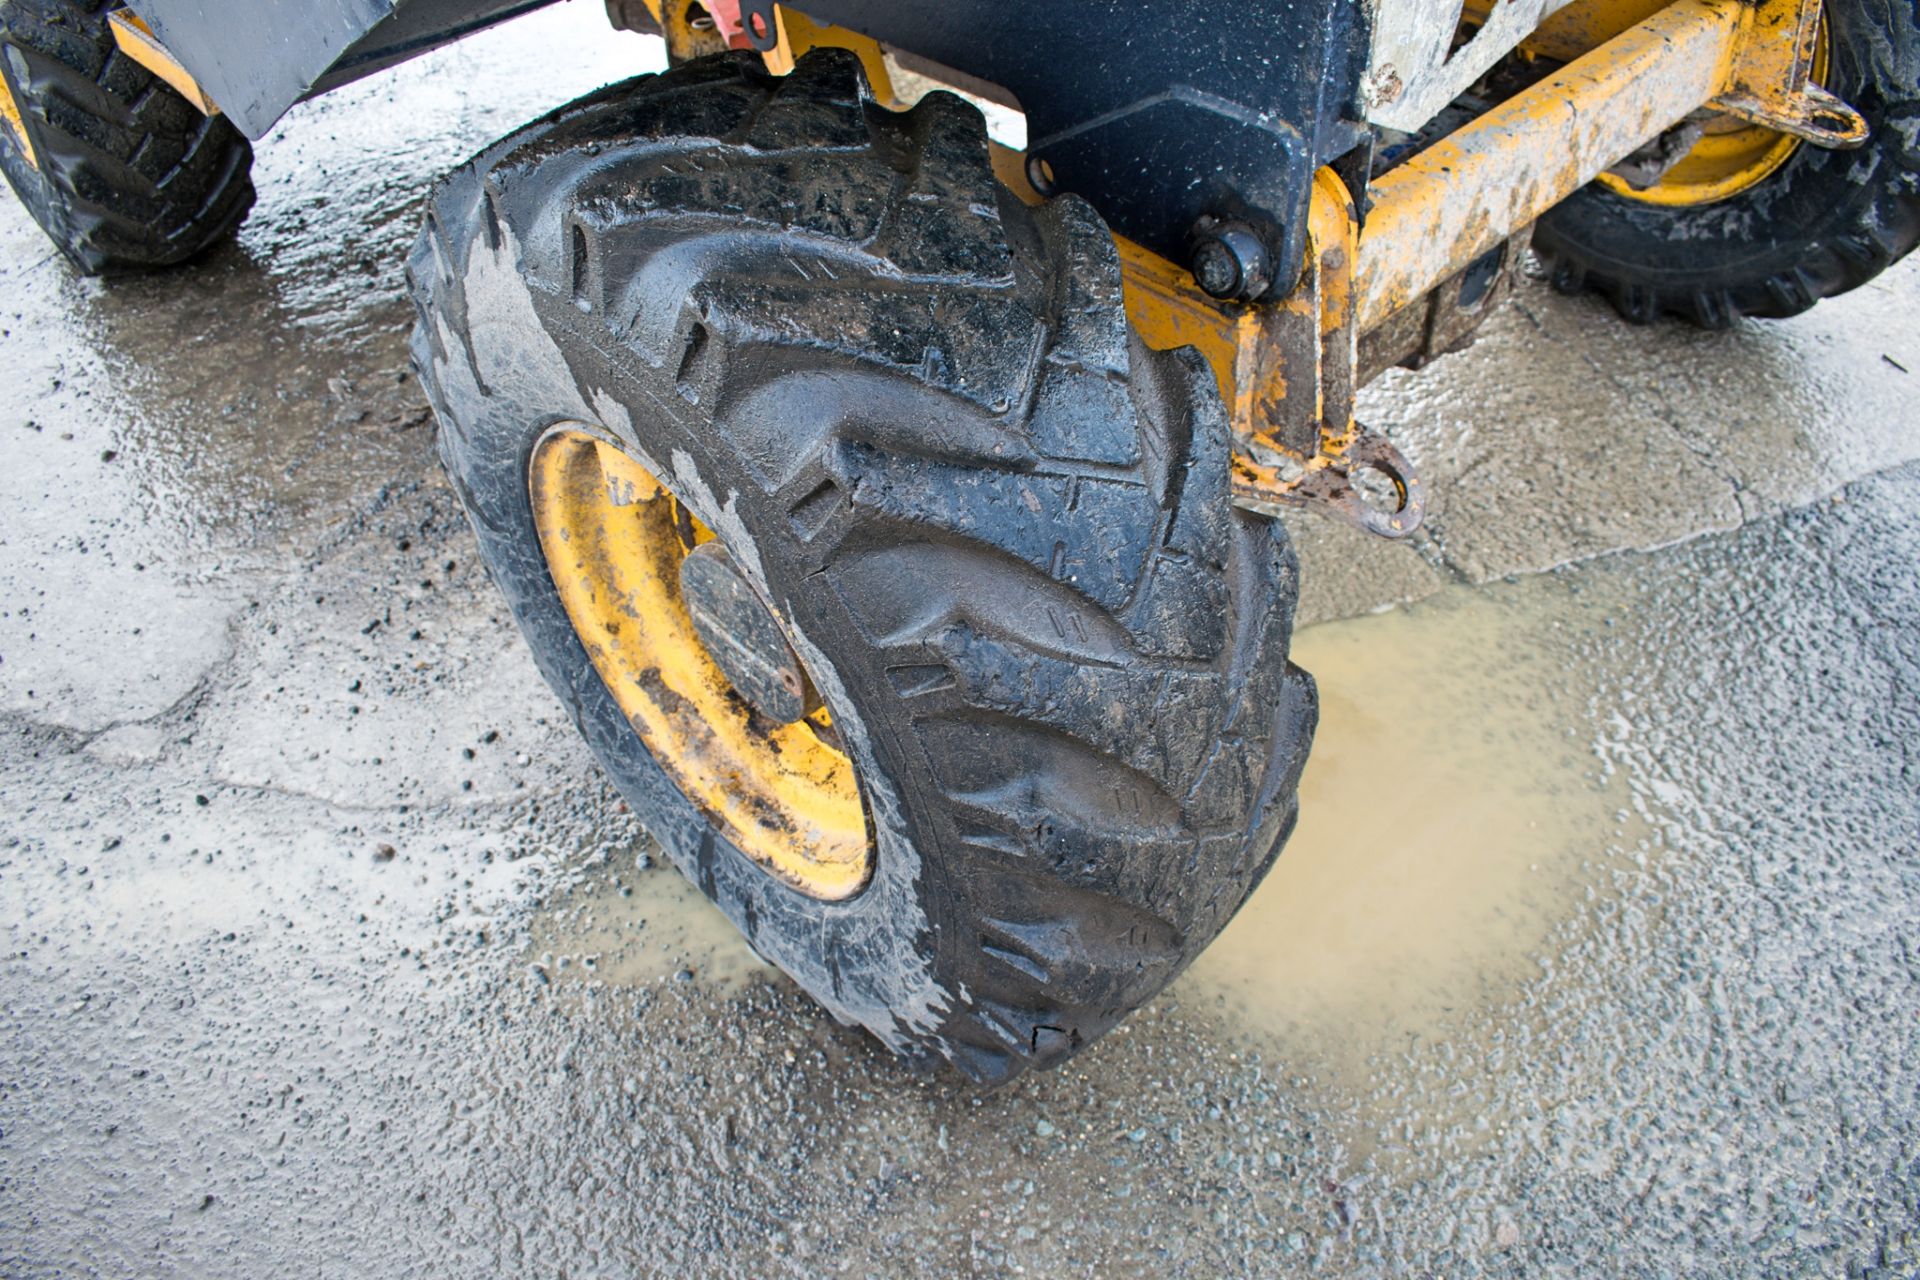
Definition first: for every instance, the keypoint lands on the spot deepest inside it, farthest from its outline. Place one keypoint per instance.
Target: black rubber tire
(999, 525)
(1824, 223)
(130, 175)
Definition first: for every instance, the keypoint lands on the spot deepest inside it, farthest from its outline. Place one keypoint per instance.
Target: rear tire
(121, 172)
(1823, 223)
(997, 524)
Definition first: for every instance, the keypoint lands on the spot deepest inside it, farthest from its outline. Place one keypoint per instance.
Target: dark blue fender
(1179, 120)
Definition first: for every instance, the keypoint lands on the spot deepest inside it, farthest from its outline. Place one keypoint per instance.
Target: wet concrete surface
(324, 949)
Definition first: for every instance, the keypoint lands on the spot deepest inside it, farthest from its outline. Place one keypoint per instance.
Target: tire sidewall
(29, 182)
(872, 958)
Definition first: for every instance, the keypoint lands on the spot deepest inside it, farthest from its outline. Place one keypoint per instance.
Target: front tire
(996, 525)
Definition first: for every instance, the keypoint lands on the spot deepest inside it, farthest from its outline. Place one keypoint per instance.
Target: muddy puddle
(633, 920)
(1454, 812)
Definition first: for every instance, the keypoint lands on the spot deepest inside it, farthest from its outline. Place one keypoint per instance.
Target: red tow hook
(727, 21)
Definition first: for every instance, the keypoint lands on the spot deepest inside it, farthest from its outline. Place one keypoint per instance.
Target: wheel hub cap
(742, 635)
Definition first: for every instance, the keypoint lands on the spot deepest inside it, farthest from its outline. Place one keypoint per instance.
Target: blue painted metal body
(1173, 117)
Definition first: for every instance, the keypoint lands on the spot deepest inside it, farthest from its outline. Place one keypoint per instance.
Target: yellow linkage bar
(1466, 193)
(1434, 214)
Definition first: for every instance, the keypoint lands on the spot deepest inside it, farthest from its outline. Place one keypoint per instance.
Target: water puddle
(627, 925)
(1450, 814)
(1453, 813)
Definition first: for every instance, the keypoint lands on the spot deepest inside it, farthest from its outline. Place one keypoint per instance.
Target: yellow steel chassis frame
(1288, 370)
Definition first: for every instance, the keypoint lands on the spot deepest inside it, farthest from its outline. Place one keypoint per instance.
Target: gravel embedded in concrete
(324, 949)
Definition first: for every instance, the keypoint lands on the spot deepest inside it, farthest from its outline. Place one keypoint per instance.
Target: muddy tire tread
(1158, 679)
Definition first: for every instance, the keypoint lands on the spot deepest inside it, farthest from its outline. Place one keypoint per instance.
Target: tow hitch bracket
(1306, 449)
(1771, 82)
(1289, 373)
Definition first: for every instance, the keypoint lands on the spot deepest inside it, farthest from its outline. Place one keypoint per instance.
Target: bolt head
(1215, 269)
(1230, 262)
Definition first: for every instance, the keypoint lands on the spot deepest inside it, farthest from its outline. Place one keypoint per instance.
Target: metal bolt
(1230, 262)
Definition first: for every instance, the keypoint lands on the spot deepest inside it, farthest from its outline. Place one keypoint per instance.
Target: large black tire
(125, 174)
(1056, 651)
(1824, 223)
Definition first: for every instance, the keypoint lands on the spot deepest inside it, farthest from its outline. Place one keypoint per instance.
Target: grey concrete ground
(324, 950)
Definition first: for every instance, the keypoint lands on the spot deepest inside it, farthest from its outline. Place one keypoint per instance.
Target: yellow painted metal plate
(136, 39)
(798, 34)
(614, 538)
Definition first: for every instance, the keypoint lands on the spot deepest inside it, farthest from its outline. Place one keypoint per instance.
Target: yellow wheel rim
(12, 126)
(614, 539)
(1732, 156)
